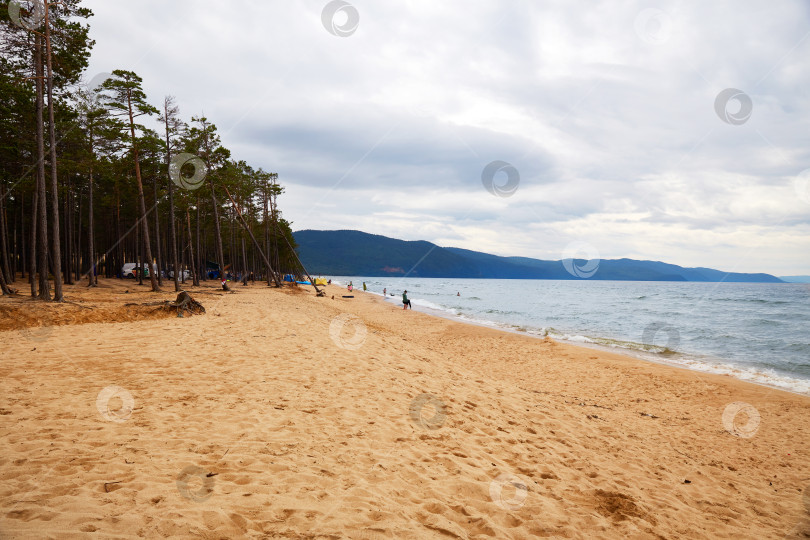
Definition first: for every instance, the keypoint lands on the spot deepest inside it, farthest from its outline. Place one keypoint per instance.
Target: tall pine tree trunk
(244, 262)
(194, 275)
(119, 249)
(17, 256)
(69, 225)
(157, 235)
(182, 253)
(267, 234)
(4, 262)
(218, 237)
(42, 211)
(3, 285)
(173, 238)
(75, 232)
(167, 111)
(232, 255)
(32, 252)
(141, 198)
(274, 218)
(56, 253)
(19, 244)
(24, 260)
(4, 281)
(139, 252)
(91, 230)
(200, 269)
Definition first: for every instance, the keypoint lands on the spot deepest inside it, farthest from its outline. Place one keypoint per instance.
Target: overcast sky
(384, 117)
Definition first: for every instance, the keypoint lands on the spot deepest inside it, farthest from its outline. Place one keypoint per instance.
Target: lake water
(752, 331)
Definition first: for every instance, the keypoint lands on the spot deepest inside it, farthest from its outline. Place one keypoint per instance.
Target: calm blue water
(756, 332)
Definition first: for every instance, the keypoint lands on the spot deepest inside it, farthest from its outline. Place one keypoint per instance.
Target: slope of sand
(279, 414)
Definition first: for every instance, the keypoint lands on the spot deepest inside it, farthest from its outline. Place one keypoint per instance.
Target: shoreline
(705, 364)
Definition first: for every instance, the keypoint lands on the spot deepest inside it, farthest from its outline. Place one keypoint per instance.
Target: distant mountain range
(355, 253)
(795, 279)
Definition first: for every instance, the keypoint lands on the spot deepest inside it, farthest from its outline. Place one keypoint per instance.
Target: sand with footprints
(278, 414)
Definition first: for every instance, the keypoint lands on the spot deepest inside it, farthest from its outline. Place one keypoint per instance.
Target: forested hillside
(355, 253)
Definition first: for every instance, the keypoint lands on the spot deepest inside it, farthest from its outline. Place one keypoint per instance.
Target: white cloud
(612, 128)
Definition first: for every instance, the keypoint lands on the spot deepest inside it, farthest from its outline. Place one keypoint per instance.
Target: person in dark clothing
(406, 303)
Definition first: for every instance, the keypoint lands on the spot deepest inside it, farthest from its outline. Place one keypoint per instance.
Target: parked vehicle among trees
(130, 270)
(181, 275)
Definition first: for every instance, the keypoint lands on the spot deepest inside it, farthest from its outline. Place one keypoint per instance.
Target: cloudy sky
(609, 118)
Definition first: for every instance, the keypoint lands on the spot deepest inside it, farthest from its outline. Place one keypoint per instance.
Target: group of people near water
(406, 302)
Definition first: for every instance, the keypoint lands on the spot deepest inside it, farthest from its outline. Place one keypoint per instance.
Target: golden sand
(282, 415)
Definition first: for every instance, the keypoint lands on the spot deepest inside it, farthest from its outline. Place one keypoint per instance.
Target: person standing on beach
(364, 286)
(405, 302)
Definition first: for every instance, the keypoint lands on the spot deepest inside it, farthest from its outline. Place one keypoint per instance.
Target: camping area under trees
(86, 186)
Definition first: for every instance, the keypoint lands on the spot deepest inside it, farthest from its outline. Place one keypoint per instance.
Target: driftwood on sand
(183, 304)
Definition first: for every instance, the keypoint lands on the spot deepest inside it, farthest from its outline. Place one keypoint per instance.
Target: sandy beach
(278, 414)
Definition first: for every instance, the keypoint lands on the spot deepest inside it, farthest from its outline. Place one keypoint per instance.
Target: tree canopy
(95, 176)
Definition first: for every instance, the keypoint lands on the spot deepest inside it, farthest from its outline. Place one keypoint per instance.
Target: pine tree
(205, 141)
(102, 138)
(55, 236)
(124, 96)
(173, 126)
